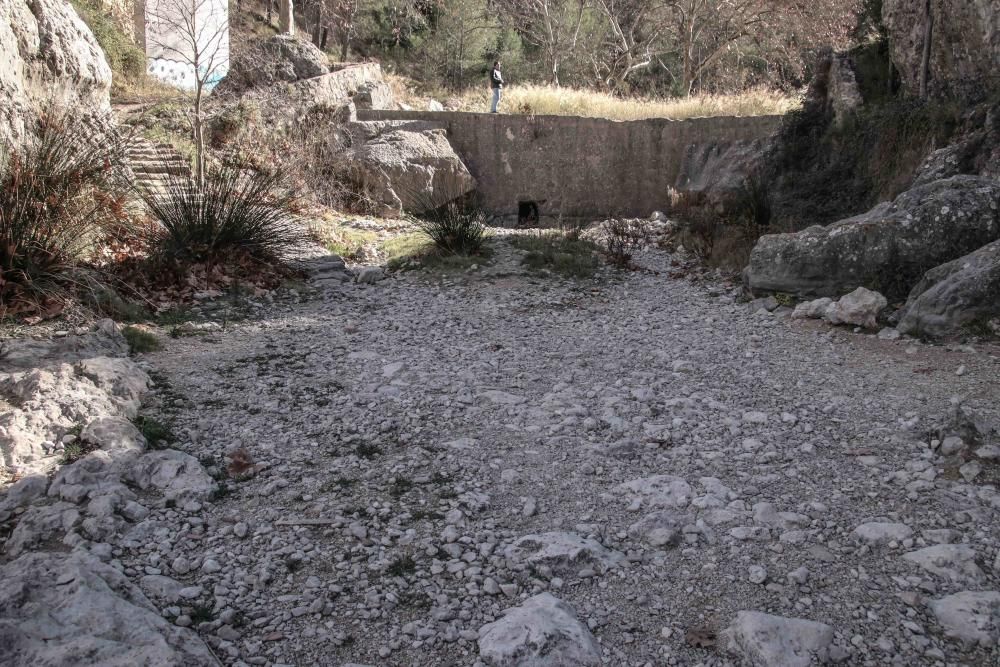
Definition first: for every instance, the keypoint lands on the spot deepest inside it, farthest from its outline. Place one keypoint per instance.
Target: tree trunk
(199, 138)
(925, 60)
(318, 26)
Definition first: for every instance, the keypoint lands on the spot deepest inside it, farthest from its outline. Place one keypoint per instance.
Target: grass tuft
(140, 341)
(157, 434)
(563, 254)
(456, 228)
(236, 211)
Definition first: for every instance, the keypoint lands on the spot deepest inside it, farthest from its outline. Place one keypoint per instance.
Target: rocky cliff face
(49, 57)
(965, 43)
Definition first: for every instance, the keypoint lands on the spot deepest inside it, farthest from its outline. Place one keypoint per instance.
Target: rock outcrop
(407, 165)
(50, 57)
(964, 45)
(60, 386)
(887, 249)
(71, 609)
(280, 59)
(955, 297)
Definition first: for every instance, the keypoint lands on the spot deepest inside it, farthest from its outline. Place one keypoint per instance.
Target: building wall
(581, 167)
(170, 49)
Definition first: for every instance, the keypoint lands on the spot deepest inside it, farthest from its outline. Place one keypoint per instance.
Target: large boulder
(542, 632)
(763, 640)
(886, 249)
(71, 609)
(964, 49)
(282, 58)
(955, 297)
(407, 165)
(50, 57)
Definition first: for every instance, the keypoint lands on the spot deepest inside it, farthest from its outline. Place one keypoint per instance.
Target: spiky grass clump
(237, 212)
(59, 192)
(456, 228)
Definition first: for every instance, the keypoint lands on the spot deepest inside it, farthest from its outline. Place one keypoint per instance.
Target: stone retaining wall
(582, 167)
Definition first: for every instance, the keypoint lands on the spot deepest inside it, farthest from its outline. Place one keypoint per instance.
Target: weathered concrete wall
(581, 167)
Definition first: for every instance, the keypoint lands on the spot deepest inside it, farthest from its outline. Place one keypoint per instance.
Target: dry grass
(548, 100)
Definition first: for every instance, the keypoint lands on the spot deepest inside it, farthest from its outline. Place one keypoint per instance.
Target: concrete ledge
(579, 167)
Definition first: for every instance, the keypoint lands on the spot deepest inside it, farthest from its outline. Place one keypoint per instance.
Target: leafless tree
(553, 26)
(634, 37)
(345, 12)
(195, 35)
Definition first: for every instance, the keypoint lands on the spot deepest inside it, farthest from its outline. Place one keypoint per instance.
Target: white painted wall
(179, 32)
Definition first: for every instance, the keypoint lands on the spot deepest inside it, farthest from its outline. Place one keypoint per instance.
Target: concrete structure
(585, 167)
(178, 33)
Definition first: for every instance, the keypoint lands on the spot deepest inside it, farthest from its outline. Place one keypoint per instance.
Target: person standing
(496, 83)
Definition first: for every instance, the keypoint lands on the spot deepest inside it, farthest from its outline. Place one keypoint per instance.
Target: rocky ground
(497, 468)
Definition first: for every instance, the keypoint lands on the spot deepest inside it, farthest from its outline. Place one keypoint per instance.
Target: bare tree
(192, 37)
(633, 38)
(345, 12)
(553, 26)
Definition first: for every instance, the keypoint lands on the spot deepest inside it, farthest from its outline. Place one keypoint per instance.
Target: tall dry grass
(549, 100)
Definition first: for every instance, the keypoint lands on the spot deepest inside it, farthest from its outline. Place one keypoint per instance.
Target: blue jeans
(497, 94)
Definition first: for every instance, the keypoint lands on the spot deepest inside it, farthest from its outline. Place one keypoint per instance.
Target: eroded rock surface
(956, 297)
(50, 57)
(71, 609)
(887, 249)
(541, 632)
(764, 640)
(407, 165)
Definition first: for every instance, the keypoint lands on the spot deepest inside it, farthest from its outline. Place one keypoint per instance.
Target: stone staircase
(156, 165)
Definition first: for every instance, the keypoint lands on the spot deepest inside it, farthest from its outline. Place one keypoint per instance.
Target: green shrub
(157, 434)
(238, 213)
(140, 341)
(59, 193)
(127, 60)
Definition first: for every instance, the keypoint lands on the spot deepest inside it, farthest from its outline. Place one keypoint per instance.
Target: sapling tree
(190, 40)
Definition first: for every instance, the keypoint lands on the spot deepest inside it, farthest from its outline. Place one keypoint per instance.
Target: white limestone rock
(970, 617)
(178, 476)
(860, 308)
(956, 562)
(71, 609)
(541, 632)
(763, 640)
(563, 553)
(658, 491)
(881, 532)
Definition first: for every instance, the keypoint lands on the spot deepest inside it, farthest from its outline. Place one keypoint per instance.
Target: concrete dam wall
(586, 167)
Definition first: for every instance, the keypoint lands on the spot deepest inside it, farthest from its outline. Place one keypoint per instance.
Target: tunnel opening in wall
(527, 214)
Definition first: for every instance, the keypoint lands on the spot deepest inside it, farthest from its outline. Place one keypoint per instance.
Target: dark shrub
(59, 192)
(239, 212)
(623, 237)
(458, 228)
